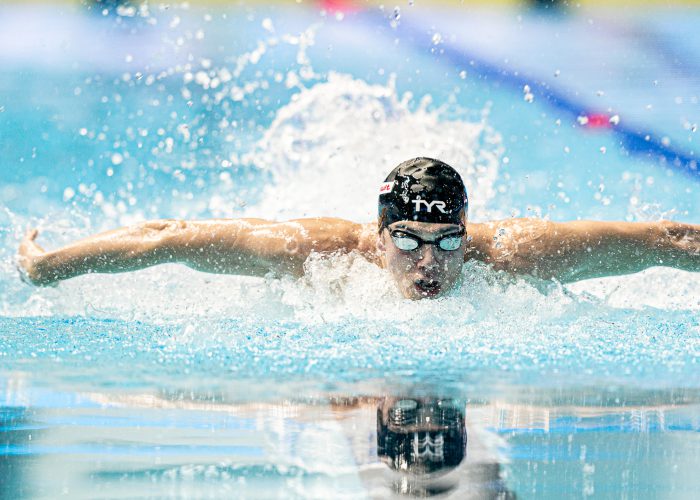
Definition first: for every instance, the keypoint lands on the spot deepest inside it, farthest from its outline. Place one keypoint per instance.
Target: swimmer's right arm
(252, 247)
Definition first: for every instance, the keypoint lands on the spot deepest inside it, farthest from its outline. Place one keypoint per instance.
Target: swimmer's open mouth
(427, 288)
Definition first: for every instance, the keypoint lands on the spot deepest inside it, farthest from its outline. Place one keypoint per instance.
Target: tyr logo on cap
(440, 205)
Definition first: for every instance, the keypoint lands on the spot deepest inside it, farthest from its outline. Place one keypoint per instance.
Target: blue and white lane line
(633, 140)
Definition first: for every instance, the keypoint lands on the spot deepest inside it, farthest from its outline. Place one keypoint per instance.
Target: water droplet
(117, 159)
(267, 25)
(463, 74)
(437, 38)
(557, 73)
(615, 119)
(68, 193)
(397, 13)
(600, 93)
(529, 97)
(567, 150)
(603, 149)
(666, 141)
(582, 120)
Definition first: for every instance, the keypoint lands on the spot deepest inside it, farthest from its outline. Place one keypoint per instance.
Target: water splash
(331, 147)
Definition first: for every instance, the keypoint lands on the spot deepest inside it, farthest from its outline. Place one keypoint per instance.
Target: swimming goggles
(408, 242)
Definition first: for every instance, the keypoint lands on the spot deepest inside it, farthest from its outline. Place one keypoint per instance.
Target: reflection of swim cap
(423, 190)
(421, 437)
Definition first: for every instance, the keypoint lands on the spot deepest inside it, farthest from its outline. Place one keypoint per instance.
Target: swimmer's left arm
(578, 250)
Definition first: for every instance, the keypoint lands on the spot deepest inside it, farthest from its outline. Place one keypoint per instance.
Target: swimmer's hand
(29, 261)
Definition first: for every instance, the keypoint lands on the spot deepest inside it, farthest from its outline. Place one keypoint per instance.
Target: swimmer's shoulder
(479, 241)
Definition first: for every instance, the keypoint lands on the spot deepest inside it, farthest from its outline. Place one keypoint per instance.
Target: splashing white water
(331, 147)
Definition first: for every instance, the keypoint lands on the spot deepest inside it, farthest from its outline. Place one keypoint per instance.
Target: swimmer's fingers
(29, 247)
(28, 255)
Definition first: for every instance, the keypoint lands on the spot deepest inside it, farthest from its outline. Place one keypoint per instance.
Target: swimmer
(422, 238)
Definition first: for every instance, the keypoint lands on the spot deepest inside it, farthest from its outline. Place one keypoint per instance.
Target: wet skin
(562, 251)
(427, 271)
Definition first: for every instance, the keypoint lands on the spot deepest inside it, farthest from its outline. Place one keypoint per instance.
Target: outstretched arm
(572, 251)
(252, 247)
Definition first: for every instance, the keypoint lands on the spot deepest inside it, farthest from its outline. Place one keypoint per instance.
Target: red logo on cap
(386, 187)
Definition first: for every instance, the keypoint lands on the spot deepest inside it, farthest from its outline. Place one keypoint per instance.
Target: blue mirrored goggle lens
(405, 243)
(450, 243)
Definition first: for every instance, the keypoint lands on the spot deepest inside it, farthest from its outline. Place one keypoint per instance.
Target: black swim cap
(423, 190)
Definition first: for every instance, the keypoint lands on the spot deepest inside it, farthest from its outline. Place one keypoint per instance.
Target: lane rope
(633, 140)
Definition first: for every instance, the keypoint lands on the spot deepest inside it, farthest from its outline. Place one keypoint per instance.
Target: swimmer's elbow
(161, 228)
(166, 239)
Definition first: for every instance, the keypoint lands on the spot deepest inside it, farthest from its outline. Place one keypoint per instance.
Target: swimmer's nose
(427, 257)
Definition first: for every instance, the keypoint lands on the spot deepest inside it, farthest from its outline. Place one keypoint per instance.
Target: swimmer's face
(427, 271)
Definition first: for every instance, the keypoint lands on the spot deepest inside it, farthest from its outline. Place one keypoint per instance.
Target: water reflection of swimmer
(421, 437)
(423, 443)
(423, 239)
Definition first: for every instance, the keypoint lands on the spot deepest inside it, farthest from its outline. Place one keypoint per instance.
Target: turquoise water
(168, 382)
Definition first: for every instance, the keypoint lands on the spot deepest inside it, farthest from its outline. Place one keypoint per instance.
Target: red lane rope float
(598, 120)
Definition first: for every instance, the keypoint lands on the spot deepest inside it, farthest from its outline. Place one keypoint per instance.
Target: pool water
(172, 383)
